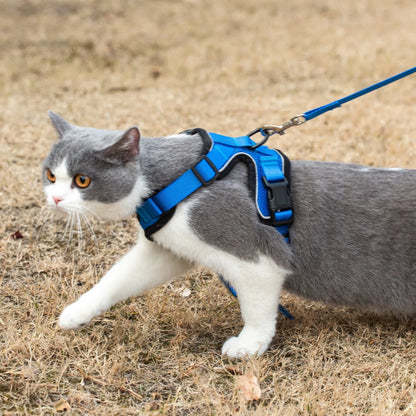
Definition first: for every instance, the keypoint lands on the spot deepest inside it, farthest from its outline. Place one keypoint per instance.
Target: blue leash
(269, 130)
(320, 110)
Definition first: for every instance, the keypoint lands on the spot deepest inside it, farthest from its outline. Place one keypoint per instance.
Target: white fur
(149, 264)
(62, 188)
(258, 284)
(72, 200)
(145, 266)
(124, 207)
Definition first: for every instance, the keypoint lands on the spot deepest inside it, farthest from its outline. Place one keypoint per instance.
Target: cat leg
(257, 280)
(258, 287)
(144, 267)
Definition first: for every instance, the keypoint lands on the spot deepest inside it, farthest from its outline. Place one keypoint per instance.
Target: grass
(168, 66)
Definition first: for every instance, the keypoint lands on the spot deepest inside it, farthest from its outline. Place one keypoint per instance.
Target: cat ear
(61, 125)
(125, 149)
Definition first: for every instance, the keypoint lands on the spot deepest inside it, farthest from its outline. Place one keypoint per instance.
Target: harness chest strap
(271, 173)
(271, 184)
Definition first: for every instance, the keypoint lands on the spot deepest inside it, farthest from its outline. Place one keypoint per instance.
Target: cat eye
(82, 181)
(51, 177)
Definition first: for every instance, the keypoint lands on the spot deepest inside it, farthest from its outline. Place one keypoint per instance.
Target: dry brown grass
(168, 66)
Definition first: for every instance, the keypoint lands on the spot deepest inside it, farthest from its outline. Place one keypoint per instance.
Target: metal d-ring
(264, 133)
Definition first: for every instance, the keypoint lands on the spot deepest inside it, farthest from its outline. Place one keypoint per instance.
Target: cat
(352, 243)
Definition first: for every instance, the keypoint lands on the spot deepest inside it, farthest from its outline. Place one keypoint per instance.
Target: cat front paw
(74, 315)
(238, 347)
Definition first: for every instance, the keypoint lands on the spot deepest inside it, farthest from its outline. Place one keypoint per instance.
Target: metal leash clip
(270, 129)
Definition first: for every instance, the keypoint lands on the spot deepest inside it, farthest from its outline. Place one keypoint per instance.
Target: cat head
(91, 171)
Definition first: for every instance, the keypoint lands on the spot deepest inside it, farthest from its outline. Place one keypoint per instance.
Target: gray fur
(225, 216)
(354, 236)
(353, 241)
(82, 149)
(61, 125)
(87, 151)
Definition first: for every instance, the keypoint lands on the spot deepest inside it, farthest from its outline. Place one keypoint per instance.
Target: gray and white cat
(353, 241)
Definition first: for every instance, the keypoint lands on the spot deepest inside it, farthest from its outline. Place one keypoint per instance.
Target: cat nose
(56, 199)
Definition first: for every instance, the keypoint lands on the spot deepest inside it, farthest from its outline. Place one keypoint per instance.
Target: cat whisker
(71, 226)
(93, 213)
(76, 219)
(42, 217)
(89, 227)
(45, 216)
(76, 209)
(79, 229)
(68, 222)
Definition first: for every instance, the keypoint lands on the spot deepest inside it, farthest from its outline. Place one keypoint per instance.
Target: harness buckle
(199, 174)
(279, 200)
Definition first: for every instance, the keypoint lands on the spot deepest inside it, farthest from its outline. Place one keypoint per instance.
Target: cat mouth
(65, 211)
(69, 210)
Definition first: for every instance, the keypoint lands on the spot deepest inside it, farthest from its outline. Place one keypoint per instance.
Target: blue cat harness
(270, 172)
(269, 175)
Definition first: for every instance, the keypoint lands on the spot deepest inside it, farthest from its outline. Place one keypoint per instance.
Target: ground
(167, 66)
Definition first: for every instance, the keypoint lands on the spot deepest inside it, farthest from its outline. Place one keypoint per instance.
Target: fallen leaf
(62, 406)
(17, 235)
(249, 387)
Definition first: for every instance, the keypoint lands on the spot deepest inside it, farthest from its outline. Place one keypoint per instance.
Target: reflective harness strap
(272, 195)
(206, 170)
(272, 187)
